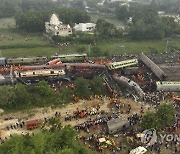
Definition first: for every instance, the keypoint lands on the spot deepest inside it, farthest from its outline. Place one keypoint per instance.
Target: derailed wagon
(152, 66)
(171, 86)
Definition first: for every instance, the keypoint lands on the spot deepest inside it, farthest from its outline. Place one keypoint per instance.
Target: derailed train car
(28, 60)
(70, 57)
(151, 65)
(24, 60)
(131, 85)
(122, 64)
(37, 75)
(169, 86)
(41, 60)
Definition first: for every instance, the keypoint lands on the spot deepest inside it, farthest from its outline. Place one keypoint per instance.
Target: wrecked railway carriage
(151, 65)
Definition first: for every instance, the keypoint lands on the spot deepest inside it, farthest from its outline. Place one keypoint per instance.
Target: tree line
(8, 8)
(61, 141)
(34, 21)
(25, 97)
(146, 24)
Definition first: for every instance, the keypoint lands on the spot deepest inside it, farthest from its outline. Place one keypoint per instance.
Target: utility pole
(0, 53)
(167, 43)
(89, 49)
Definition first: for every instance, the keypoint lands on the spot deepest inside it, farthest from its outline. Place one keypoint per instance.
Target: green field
(38, 51)
(15, 43)
(118, 47)
(7, 23)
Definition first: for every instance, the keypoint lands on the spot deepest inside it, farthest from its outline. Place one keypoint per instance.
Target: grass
(14, 37)
(7, 23)
(38, 51)
(14, 43)
(119, 47)
(24, 52)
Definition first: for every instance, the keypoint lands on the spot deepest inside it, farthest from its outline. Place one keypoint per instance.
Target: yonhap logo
(149, 137)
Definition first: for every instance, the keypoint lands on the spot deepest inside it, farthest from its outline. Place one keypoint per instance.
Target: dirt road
(42, 113)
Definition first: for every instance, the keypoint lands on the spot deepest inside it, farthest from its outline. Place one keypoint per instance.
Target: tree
(21, 97)
(122, 12)
(148, 13)
(58, 141)
(82, 89)
(39, 142)
(97, 85)
(106, 30)
(166, 115)
(66, 95)
(149, 120)
(146, 23)
(169, 26)
(35, 5)
(71, 16)
(9, 8)
(6, 95)
(43, 89)
(66, 151)
(32, 21)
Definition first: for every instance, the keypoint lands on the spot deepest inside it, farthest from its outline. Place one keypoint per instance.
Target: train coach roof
(39, 70)
(26, 57)
(154, 68)
(124, 61)
(117, 123)
(168, 83)
(70, 55)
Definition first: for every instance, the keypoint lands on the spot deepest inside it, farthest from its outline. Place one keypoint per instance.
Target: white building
(56, 27)
(175, 17)
(85, 27)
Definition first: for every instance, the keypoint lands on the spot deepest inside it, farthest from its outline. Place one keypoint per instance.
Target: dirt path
(42, 113)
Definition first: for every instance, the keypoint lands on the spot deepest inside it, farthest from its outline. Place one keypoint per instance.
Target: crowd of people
(16, 125)
(83, 113)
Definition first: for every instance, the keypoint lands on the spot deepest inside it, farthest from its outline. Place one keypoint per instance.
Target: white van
(138, 150)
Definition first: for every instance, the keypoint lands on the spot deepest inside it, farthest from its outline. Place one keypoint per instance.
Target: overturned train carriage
(131, 85)
(169, 86)
(152, 66)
